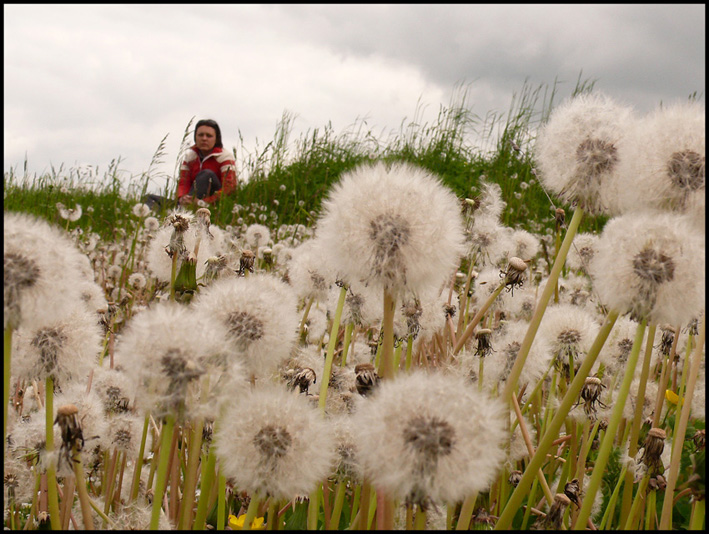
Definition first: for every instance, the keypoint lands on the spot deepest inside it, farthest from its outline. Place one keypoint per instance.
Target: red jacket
(219, 161)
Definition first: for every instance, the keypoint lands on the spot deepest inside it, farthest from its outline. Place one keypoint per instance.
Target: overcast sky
(85, 84)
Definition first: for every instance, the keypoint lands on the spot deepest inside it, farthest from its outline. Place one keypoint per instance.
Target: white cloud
(85, 84)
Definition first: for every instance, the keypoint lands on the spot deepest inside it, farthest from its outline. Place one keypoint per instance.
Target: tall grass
(290, 178)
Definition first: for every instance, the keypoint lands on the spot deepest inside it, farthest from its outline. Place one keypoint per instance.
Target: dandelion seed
(69, 214)
(141, 210)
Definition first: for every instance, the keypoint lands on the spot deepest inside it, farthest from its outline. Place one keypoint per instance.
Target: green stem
(349, 328)
(207, 479)
(6, 382)
(639, 497)
(251, 511)
(552, 429)
(81, 491)
(637, 419)
(52, 496)
(187, 501)
(650, 509)
(273, 520)
(139, 460)
(466, 512)
(614, 497)
(306, 312)
(161, 483)
(173, 275)
(678, 441)
(327, 370)
(386, 364)
(697, 522)
(610, 434)
(460, 342)
(541, 307)
(420, 519)
(409, 351)
(340, 491)
(314, 507)
(221, 500)
(356, 499)
(530, 502)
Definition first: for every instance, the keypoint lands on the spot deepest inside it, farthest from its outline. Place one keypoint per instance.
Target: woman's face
(206, 138)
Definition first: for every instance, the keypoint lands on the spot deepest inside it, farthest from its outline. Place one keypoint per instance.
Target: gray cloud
(90, 83)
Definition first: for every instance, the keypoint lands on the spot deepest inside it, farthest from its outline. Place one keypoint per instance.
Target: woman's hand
(186, 200)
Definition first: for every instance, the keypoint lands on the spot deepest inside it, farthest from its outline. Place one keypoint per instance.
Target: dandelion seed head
(395, 227)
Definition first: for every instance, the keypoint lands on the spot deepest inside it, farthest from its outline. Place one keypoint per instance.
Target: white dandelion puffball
(396, 227)
(167, 351)
(666, 169)
(430, 436)
(308, 271)
(651, 265)
(578, 150)
(42, 269)
(275, 442)
(259, 312)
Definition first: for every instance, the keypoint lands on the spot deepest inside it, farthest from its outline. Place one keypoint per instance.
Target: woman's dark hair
(211, 124)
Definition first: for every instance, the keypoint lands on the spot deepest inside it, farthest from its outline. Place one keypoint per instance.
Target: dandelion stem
(161, 483)
(327, 370)
(678, 438)
(552, 430)
(639, 497)
(339, 501)
(206, 482)
(466, 512)
(81, 491)
(460, 342)
(306, 312)
(221, 500)
(49, 446)
(187, 501)
(536, 320)
(314, 507)
(697, 520)
(664, 377)
(386, 365)
(139, 460)
(420, 519)
(610, 434)
(7, 354)
(610, 508)
(349, 328)
(251, 511)
(637, 420)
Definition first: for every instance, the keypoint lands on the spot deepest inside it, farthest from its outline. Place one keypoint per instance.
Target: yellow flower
(237, 523)
(672, 397)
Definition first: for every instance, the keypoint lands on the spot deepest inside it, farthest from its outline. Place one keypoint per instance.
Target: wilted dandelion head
(395, 227)
(651, 265)
(429, 437)
(277, 444)
(579, 149)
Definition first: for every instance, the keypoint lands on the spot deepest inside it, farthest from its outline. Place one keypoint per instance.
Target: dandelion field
(406, 333)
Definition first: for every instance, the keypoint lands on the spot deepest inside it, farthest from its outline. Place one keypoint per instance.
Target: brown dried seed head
(483, 332)
(518, 264)
(593, 380)
(67, 410)
(657, 433)
(562, 499)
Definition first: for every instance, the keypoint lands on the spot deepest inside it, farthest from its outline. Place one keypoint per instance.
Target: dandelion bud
(366, 378)
(555, 516)
(303, 378)
(572, 490)
(699, 439)
(246, 263)
(483, 337)
(654, 445)
(560, 217)
(514, 275)
(514, 478)
(591, 394)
